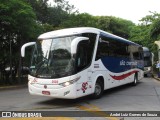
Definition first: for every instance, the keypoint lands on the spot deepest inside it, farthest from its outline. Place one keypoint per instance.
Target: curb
(156, 78)
(12, 87)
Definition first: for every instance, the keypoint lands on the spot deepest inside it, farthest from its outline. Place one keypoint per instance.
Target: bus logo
(84, 86)
(45, 86)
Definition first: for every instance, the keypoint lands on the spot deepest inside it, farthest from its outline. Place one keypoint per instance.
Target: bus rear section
(148, 61)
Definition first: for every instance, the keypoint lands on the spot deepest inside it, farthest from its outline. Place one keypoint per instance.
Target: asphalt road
(143, 97)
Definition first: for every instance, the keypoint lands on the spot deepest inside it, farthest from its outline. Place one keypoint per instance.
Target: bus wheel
(98, 90)
(135, 80)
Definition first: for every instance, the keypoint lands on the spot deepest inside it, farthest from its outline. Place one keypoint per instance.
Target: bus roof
(79, 30)
(145, 49)
(68, 32)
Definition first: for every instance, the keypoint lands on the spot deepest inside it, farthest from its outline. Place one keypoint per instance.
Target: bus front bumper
(67, 92)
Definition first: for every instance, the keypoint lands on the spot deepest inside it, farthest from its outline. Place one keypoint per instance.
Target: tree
(148, 19)
(147, 31)
(52, 14)
(117, 26)
(40, 8)
(65, 6)
(111, 24)
(60, 12)
(152, 24)
(79, 20)
(18, 23)
(155, 29)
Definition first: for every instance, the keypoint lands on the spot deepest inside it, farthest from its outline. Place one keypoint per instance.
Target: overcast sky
(132, 10)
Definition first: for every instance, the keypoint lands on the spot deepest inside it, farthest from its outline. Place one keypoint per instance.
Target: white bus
(148, 61)
(75, 62)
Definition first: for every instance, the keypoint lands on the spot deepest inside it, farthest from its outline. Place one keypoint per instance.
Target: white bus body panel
(84, 86)
(38, 86)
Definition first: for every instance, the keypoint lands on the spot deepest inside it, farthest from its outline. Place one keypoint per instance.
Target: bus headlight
(64, 84)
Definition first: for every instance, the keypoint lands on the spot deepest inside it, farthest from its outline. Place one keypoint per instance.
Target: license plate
(46, 92)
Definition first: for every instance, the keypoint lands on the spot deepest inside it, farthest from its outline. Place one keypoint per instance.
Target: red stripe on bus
(121, 77)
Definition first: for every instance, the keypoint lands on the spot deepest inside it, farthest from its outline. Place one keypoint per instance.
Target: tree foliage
(155, 29)
(17, 21)
(40, 8)
(117, 26)
(111, 24)
(79, 20)
(147, 32)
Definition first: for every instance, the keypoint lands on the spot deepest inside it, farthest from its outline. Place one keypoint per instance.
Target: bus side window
(102, 50)
(137, 56)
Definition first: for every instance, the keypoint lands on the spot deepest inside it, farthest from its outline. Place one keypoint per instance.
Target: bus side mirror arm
(24, 46)
(75, 42)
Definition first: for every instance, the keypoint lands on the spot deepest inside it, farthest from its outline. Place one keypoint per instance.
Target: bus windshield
(147, 59)
(52, 58)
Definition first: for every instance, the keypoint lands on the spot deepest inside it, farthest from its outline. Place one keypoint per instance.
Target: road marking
(97, 111)
(43, 118)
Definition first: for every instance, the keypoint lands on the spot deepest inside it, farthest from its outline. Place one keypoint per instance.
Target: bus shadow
(55, 103)
(120, 88)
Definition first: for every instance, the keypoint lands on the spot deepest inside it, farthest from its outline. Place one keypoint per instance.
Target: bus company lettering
(122, 62)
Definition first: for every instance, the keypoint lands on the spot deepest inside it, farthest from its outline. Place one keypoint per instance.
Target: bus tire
(98, 91)
(134, 83)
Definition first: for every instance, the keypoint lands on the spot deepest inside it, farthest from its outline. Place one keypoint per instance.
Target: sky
(132, 10)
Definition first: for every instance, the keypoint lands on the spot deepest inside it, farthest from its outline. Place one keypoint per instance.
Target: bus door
(83, 66)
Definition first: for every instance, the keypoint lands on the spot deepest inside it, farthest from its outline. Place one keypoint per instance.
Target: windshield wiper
(44, 59)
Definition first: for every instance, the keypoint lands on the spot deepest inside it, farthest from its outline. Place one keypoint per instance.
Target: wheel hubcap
(97, 89)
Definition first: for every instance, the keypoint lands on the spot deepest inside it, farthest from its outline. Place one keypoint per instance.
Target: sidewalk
(15, 84)
(156, 77)
(12, 87)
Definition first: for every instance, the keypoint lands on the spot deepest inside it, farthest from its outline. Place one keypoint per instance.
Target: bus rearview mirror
(75, 42)
(24, 46)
